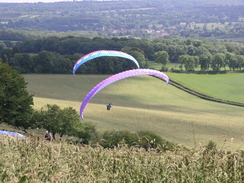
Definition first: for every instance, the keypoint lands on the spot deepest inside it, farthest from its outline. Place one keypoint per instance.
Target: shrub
(142, 139)
(113, 138)
(164, 68)
(64, 122)
(211, 145)
(86, 133)
(148, 139)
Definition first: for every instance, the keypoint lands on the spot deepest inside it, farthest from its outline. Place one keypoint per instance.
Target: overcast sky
(30, 1)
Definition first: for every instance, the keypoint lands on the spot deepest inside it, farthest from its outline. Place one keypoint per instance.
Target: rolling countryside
(146, 103)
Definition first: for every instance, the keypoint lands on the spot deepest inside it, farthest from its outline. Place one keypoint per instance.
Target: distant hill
(158, 18)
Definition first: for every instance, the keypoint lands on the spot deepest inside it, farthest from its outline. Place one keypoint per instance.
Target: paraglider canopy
(117, 77)
(14, 134)
(102, 53)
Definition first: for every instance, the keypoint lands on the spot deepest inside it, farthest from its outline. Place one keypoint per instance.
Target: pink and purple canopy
(101, 53)
(117, 77)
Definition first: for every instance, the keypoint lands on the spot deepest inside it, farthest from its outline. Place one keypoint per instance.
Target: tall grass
(33, 160)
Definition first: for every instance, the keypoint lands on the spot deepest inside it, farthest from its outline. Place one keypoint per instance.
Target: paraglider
(101, 53)
(109, 106)
(14, 134)
(117, 77)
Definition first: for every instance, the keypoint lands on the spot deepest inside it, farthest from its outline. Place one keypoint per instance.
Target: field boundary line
(203, 96)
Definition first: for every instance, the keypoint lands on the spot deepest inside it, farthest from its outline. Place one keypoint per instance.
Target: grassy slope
(144, 103)
(223, 86)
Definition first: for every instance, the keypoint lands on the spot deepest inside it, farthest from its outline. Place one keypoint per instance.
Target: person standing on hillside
(48, 136)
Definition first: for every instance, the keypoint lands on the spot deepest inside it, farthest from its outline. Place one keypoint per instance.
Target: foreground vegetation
(32, 160)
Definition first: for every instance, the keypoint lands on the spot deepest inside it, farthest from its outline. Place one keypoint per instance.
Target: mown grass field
(146, 103)
(224, 86)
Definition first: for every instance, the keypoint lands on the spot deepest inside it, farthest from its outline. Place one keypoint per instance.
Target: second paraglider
(117, 77)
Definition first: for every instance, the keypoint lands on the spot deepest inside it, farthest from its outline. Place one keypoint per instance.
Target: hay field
(145, 103)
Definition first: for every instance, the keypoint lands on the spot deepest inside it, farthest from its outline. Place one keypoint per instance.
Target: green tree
(15, 50)
(9, 44)
(217, 61)
(6, 55)
(189, 62)
(140, 57)
(162, 57)
(2, 47)
(45, 62)
(138, 54)
(191, 50)
(62, 121)
(15, 101)
(69, 122)
(196, 61)
(175, 51)
(240, 61)
(23, 63)
(182, 61)
(201, 50)
(205, 61)
(86, 132)
(231, 60)
(52, 119)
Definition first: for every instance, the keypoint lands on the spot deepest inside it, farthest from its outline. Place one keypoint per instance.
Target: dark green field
(146, 103)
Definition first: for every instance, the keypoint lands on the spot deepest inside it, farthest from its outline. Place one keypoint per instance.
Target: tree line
(58, 55)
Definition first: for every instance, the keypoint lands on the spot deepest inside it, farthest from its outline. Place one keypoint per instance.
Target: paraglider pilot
(109, 106)
(48, 136)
